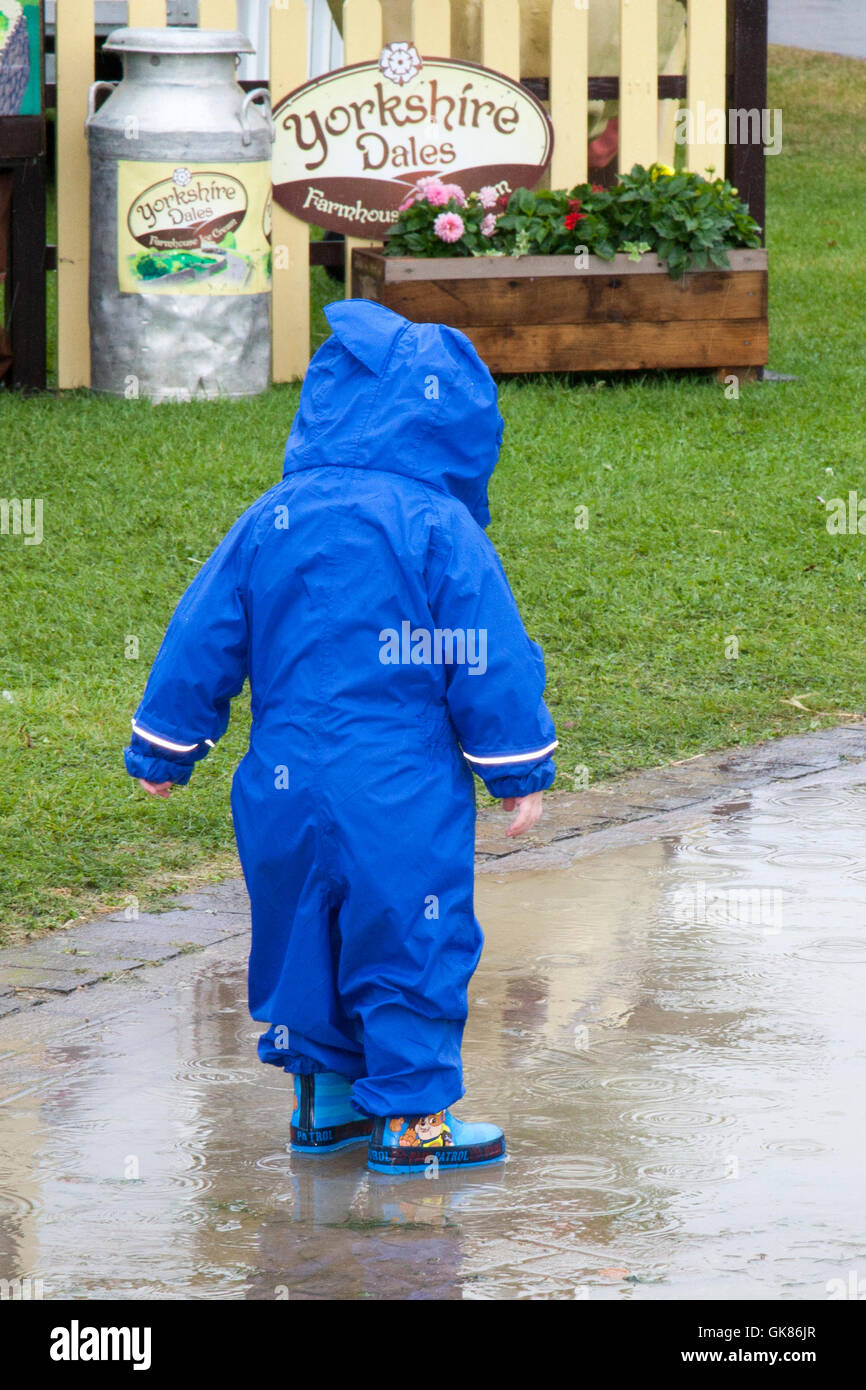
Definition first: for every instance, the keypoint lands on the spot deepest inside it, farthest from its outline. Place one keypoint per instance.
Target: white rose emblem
(400, 62)
(181, 177)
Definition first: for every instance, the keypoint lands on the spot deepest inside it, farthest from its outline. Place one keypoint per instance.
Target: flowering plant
(439, 219)
(687, 220)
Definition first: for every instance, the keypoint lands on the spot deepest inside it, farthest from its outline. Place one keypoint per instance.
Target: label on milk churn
(193, 228)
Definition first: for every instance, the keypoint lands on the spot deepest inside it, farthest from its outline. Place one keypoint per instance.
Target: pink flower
(436, 193)
(489, 197)
(488, 225)
(456, 192)
(420, 191)
(449, 226)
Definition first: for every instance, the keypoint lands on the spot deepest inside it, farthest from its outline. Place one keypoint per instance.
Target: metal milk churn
(180, 229)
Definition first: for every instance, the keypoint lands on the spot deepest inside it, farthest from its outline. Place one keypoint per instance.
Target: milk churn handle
(91, 96)
(259, 94)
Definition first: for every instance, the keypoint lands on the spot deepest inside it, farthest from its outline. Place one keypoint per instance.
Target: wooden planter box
(539, 314)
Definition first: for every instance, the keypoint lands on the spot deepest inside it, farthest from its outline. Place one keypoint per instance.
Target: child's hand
(162, 789)
(528, 812)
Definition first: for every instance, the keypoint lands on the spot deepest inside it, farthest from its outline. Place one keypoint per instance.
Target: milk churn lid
(178, 41)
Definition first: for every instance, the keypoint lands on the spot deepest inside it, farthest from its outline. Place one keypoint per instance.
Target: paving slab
(176, 927)
(39, 977)
(68, 962)
(146, 945)
(228, 897)
(831, 26)
(13, 1004)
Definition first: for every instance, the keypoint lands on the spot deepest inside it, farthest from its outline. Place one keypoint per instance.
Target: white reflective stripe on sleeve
(512, 757)
(163, 742)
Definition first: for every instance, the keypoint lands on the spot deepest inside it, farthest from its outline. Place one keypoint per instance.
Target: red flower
(502, 201)
(572, 220)
(574, 205)
(597, 188)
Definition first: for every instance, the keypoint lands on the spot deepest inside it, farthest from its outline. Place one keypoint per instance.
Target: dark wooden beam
(670, 85)
(598, 88)
(21, 137)
(747, 90)
(25, 282)
(607, 88)
(328, 253)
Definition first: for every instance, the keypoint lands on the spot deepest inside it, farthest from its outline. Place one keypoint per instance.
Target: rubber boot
(417, 1143)
(324, 1118)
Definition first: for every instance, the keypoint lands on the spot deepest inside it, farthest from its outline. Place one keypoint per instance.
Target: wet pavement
(667, 1020)
(830, 26)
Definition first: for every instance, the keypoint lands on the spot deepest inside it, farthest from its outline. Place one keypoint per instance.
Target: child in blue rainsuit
(387, 662)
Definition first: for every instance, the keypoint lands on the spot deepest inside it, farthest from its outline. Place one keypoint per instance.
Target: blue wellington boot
(415, 1143)
(324, 1118)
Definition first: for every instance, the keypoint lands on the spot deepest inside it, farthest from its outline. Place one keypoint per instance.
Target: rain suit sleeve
(199, 668)
(495, 698)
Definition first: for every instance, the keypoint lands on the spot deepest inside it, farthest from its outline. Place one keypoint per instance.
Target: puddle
(671, 1033)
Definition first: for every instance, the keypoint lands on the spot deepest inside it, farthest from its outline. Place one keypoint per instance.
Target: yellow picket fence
(363, 28)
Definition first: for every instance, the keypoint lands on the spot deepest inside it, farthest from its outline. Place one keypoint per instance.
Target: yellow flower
(658, 169)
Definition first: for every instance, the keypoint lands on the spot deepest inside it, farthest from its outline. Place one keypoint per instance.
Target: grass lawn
(704, 524)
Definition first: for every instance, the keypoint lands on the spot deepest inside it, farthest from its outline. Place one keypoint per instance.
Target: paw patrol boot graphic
(415, 1143)
(324, 1119)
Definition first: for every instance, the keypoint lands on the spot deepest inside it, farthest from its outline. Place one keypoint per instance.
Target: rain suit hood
(359, 404)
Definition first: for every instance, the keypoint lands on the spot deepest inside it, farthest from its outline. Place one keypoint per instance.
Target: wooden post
(25, 281)
(500, 36)
(7, 180)
(638, 82)
(569, 68)
(669, 106)
(290, 237)
(362, 39)
(747, 90)
(431, 28)
(147, 14)
(74, 45)
(22, 244)
(705, 86)
(217, 14)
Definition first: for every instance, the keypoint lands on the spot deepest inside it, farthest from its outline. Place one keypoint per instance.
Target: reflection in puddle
(670, 1033)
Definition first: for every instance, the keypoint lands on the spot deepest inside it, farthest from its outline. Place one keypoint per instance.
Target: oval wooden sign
(352, 144)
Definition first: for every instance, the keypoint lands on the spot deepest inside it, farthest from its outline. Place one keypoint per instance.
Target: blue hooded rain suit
(387, 661)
